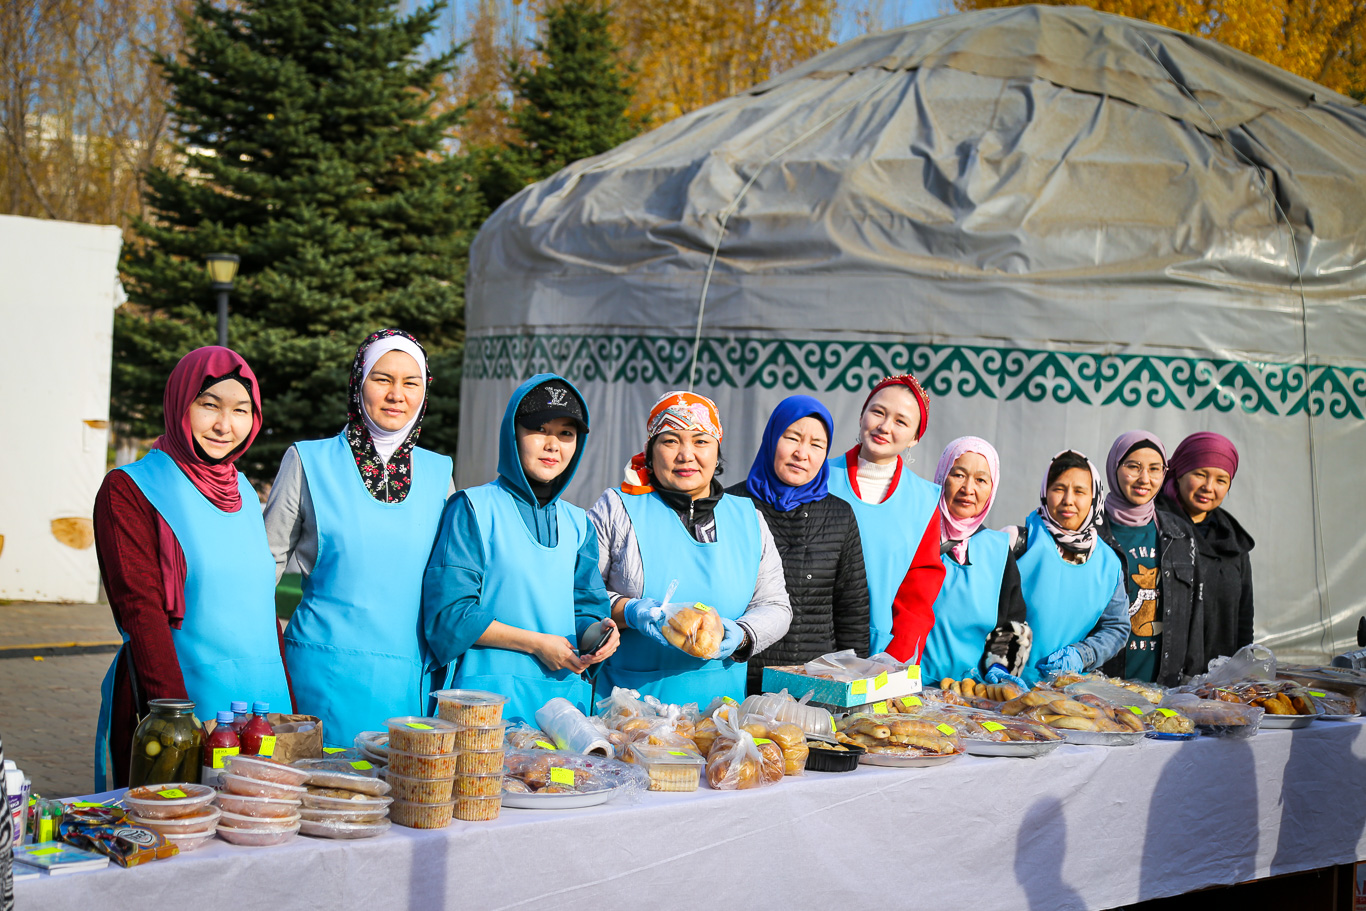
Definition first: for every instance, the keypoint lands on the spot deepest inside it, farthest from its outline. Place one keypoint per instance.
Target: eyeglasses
(1138, 469)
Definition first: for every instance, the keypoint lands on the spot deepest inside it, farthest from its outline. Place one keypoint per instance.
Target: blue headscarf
(763, 483)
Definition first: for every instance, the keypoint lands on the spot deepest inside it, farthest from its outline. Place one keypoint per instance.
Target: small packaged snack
(428, 736)
(669, 769)
(1216, 718)
(739, 761)
(107, 831)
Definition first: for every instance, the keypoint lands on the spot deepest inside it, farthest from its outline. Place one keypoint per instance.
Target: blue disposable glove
(997, 675)
(735, 635)
(1066, 660)
(646, 616)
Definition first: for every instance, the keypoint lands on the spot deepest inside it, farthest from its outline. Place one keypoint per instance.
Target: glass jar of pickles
(166, 744)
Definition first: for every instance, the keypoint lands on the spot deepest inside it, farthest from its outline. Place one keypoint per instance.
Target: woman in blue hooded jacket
(512, 585)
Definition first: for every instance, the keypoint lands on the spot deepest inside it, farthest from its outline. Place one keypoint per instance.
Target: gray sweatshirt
(765, 619)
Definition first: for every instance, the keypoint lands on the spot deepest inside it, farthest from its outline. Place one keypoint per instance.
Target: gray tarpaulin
(1067, 224)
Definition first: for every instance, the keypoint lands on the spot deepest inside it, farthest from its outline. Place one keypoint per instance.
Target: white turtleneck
(874, 479)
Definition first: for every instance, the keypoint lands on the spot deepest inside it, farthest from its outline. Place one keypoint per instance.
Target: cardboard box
(839, 694)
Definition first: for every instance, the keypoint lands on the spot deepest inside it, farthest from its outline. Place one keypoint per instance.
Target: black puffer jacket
(1182, 644)
(1223, 576)
(823, 566)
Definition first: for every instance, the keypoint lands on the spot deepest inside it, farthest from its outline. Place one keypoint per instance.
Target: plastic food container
(821, 760)
(476, 708)
(416, 734)
(266, 770)
(250, 787)
(480, 738)
(421, 815)
(373, 743)
(259, 807)
(310, 814)
(167, 801)
(810, 718)
(477, 809)
(258, 838)
(203, 820)
(236, 821)
(188, 841)
(358, 805)
(420, 790)
(479, 785)
(669, 768)
(361, 776)
(334, 829)
(478, 762)
(416, 765)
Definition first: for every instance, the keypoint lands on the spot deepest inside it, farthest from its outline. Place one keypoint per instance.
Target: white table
(1085, 827)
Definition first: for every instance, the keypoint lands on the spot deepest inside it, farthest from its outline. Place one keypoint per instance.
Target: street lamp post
(222, 270)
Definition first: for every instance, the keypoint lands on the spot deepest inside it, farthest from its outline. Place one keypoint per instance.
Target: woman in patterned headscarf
(671, 520)
(358, 514)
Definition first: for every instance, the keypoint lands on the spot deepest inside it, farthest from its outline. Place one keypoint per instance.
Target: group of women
(411, 585)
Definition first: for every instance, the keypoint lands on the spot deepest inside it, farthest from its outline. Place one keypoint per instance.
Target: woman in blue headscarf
(816, 534)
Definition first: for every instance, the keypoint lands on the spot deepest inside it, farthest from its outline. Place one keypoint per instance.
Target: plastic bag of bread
(693, 628)
(1216, 718)
(738, 761)
(562, 772)
(620, 706)
(522, 736)
(790, 738)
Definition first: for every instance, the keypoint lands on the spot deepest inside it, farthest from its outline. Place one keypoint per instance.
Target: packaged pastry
(1330, 703)
(979, 691)
(739, 761)
(359, 776)
(428, 736)
(263, 768)
(420, 790)
(359, 815)
(522, 736)
(1216, 718)
(669, 769)
(780, 706)
(899, 734)
(791, 740)
(251, 787)
(474, 708)
(695, 629)
(561, 771)
(107, 831)
(421, 815)
(416, 765)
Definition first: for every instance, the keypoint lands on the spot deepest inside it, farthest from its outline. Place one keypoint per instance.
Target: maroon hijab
(1205, 449)
(196, 371)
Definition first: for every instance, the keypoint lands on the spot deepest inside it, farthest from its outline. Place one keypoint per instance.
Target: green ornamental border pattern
(1005, 374)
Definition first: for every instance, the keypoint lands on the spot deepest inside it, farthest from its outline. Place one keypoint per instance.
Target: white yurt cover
(1066, 224)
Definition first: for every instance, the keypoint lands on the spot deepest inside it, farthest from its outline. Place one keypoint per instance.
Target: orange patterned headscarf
(678, 410)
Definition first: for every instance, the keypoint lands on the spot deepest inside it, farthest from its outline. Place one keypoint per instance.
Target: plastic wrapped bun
(570, 729)
(781, 706)
(563, 771)
(1216, 718)
(738, 762)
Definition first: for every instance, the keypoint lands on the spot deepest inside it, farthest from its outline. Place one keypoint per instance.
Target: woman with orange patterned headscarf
(670, 520)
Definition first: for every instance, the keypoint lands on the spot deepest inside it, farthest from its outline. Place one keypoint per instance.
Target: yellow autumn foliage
(1322, 40)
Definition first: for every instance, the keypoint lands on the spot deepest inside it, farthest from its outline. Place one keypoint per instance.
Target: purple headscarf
(1120, 508)
(1205, 449)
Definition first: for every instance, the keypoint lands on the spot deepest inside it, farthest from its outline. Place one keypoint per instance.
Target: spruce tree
(312, 149)
(571, 105)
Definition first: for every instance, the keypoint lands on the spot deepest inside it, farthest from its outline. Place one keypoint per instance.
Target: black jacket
(1182, 643)
(1223, 575)
(823, 567)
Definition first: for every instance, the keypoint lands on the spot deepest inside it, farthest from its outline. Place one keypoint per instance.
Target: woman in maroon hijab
(186, 566)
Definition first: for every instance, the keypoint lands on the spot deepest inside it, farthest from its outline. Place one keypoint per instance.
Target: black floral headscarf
(391, 483)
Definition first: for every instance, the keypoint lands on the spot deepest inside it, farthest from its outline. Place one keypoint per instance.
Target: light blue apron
(354, 645)
(891, 533)
(967, 608)
(722, 575)
(1064, 600)
(226, 646)
(530, 586)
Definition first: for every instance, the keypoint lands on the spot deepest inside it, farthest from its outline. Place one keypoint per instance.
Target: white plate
(905, 762)
(1024, 748)
(1104, 738)
(1350, 717)
(1287, 722)
(571, 801)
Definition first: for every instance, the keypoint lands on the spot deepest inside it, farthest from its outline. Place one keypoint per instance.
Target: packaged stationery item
(59, 859)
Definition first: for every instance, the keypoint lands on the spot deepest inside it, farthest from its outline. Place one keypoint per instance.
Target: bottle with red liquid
(239, 716)
(218, 746)
(258, 737)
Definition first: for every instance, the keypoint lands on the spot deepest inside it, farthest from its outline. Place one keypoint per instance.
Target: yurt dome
(1066, 224)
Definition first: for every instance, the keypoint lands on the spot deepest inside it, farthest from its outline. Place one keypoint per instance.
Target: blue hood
(510, 465)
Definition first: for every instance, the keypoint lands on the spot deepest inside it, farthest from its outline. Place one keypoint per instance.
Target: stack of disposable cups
(421, 773)
(478, 716)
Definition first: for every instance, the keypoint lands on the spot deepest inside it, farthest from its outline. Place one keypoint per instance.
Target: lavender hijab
(952, 528)
(1120, 509)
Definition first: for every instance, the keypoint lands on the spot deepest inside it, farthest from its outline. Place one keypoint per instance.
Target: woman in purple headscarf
(1199, 477)
(1159, 565)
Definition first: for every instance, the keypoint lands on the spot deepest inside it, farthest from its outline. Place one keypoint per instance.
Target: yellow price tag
(993, 726)
(832, 723)
(677, 753)
(361, 765)
(1317, 694)
(762, 740)
(172, 793)
(418, 726)
(1135, 709)
(879, 708)
(334, 749)
(44, 852)
(1166, 713)
(267, 745)
(702, 607)
(545, 746)
(880, 681)
(911, 700)
(859, 687)
(221, 753)
(913, 672)
(562, 776)
(946, 729)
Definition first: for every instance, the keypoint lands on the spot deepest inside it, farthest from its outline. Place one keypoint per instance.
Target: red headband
(922, 398)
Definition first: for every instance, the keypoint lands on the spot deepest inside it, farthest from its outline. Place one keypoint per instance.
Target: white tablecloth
(1085, 827)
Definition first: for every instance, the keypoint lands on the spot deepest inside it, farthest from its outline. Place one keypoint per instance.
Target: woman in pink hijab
(979, 615)
(1199, 476)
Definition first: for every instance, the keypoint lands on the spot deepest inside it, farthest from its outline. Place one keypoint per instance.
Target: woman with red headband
(897, 515)
(1198, 478)
(183, 553)
(671, 520)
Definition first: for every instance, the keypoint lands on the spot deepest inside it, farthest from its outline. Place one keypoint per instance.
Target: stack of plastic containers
(260, 801)
(182, 812)
(421, 771)
(478, 717)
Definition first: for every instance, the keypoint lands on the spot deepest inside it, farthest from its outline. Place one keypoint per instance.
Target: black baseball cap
(551, 399)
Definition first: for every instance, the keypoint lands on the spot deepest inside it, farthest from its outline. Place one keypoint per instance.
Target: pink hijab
(952, 528)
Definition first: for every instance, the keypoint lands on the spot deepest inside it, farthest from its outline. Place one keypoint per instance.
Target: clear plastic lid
(254, 787)
(470, 697)
(264, 769)
(202, 817)
(164, 801)
(374, 742)
(810, 718)
(421, 725)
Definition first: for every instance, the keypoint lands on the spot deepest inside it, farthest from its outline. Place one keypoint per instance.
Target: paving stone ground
(48, 708)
